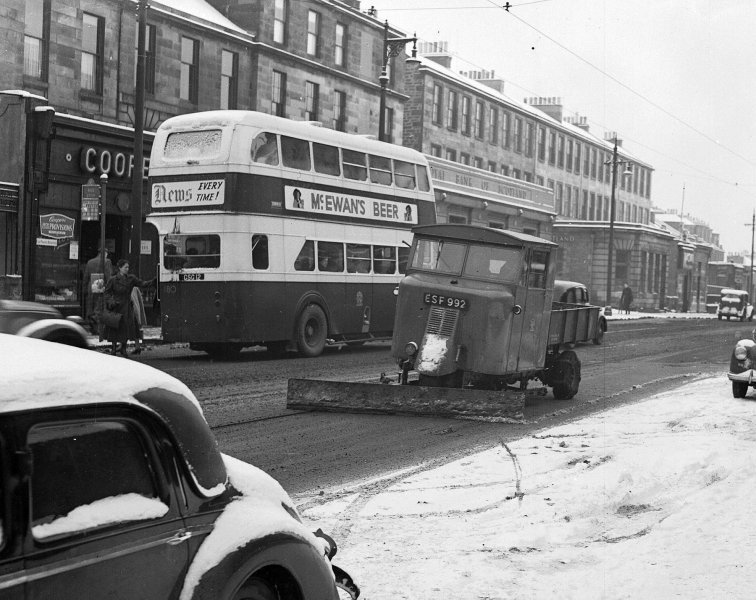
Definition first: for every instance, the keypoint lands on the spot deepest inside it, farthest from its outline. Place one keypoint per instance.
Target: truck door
(527, 345)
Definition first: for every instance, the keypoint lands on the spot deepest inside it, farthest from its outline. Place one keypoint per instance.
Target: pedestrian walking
(118, 300)
(626, 299)
(94, 281)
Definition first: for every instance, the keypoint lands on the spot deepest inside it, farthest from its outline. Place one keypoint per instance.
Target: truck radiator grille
(442, 321)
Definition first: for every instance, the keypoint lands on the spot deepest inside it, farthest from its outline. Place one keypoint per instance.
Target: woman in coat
(118, 300)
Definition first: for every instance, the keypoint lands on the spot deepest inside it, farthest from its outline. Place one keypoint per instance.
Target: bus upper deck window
(265, 148)
(193, 144)
(423, 181)
(326, 159)
(295, 153)
(404, 174)
(380, 169)
(354, 165)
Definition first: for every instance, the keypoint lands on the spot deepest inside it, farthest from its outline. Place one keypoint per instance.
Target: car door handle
(179, 538)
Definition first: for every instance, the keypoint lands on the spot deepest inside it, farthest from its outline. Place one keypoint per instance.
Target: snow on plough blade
(340, 396)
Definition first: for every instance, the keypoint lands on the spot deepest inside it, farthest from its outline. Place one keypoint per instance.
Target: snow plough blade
(340, 396)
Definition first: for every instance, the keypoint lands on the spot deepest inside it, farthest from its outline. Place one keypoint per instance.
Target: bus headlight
(410, 349)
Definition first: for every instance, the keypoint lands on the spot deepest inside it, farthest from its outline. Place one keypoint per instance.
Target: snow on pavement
(648, 500)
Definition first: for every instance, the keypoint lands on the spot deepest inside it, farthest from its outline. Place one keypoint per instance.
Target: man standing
(94, 286)
(626, 299)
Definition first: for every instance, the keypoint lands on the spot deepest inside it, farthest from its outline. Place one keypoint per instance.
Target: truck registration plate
(191, 276)
(447, 301)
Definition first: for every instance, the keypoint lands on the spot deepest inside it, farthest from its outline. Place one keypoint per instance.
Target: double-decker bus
(280, 233)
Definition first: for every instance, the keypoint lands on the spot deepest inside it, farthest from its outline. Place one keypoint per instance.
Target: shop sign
(90, 201)
(56, 226)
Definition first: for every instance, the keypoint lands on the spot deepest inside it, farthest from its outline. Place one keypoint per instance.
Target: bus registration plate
(447, 301)
(191, 276)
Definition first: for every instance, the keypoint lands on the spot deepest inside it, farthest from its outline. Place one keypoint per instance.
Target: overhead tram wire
(698, 172)
(628, 88)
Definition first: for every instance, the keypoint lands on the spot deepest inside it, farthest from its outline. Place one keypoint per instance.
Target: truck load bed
(572, 323)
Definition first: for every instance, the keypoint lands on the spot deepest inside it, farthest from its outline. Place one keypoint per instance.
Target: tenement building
(525, 166)
(68, 113)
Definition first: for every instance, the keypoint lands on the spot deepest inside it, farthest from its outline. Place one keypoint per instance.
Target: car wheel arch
(277, 559)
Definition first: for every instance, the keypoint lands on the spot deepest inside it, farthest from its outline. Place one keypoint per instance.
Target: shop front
(54, 224)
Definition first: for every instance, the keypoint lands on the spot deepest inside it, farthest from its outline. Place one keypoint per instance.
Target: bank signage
(56, 226)
(308, 200)
(206, 192)
(462, 179)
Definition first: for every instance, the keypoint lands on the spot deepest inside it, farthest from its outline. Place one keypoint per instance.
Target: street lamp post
(614, 162)
(135, 239)
(391, 48)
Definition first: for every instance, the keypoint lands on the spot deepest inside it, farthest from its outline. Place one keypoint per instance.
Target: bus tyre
(312, 329)
(566, 376)
(739, 389)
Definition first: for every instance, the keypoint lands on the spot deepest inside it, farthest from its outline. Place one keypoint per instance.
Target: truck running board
(340, 396)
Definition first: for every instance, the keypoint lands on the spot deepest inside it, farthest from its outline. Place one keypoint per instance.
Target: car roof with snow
(42, 375)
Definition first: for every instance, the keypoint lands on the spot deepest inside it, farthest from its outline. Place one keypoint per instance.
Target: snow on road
(649, 500)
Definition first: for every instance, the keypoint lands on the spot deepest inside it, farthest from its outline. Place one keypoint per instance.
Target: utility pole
(614, 162)
(750, 268)
(135, 239)
(611, 226)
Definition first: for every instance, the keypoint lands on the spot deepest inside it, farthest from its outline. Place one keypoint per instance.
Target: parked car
(32, 319)
(734, 303)
(742, 372)
(113, 486)
(573, 292)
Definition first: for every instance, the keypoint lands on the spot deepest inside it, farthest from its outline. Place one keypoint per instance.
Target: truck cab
(474, 307)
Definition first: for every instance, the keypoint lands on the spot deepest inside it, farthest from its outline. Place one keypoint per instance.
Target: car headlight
(741, 352)
(410, 349)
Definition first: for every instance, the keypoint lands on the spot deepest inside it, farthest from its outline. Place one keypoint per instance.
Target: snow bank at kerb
(651, 500)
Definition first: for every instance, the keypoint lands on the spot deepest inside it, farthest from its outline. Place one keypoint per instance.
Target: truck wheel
(567, 375)
(739, 389)
(312, 329)
(599, 339)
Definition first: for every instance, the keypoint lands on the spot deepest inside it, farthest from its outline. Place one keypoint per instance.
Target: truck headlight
(410, 349)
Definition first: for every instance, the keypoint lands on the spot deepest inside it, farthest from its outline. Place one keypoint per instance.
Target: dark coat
(626, 299)
(118, 299)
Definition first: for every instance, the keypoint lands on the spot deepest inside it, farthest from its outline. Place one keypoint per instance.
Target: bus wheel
(222, 351)
(312, 329)
(567, 376)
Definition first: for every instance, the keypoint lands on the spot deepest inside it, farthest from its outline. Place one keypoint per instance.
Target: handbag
(110, 319)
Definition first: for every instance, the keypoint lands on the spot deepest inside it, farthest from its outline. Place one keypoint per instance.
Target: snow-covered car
(572, 292)
(41, 321)
(734, 304)
(742, 372)
(112, 486)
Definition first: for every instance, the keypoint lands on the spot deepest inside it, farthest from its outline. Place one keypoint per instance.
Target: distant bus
(280, 233)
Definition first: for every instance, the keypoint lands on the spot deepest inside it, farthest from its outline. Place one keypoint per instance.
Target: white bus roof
(305, 129)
